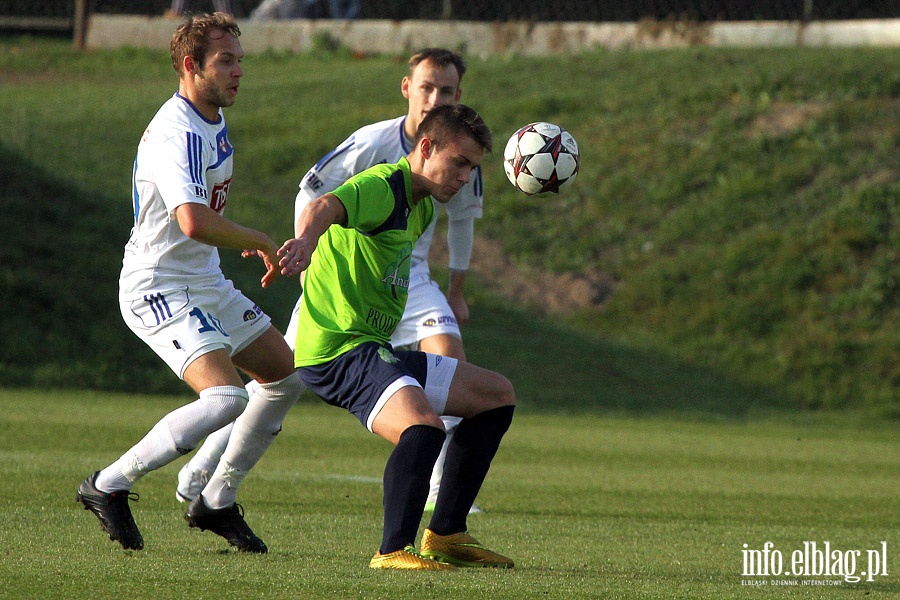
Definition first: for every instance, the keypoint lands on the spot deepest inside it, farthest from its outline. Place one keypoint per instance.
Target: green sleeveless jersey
(356, 286)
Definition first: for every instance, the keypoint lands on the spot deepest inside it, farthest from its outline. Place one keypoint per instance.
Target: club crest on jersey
(252, 314)
(224, 149)
(387, 356)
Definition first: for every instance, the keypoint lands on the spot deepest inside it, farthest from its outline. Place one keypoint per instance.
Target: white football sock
(450, 425)
(208, 454)
(251, 436)
(174, 435)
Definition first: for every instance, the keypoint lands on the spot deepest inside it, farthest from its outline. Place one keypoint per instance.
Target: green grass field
(589, 507)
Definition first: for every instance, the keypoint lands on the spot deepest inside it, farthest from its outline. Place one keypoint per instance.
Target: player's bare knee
(432, 421)
(501, 393)
(507, 393)
(424, 417)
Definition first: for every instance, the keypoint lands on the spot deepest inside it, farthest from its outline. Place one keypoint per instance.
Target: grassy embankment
(745, 202)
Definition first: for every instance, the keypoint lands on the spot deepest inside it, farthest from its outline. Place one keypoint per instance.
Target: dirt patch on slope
(783, 118)
(532, 287)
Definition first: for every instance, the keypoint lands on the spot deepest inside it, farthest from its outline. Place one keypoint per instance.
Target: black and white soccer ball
(541, 158)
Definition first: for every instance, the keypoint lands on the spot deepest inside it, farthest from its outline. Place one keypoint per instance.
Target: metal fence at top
(63, 11)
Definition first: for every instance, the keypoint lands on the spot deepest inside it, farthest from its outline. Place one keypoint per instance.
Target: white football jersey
(182, 157)
(384, 142)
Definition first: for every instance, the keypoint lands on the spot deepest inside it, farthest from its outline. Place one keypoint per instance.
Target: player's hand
(294, 256)
(270, 259)
(460, 307)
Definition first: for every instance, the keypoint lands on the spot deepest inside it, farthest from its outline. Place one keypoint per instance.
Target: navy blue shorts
(358, 379)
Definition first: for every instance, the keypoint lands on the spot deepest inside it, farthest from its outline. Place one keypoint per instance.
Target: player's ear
(404, 87)
(188, 65)
(458, 94)
(426, 147)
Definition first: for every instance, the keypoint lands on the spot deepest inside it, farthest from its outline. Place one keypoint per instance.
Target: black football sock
(469, 456)
(407, 477)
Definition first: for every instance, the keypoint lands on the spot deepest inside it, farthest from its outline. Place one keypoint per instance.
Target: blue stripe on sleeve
(195, 155)
(335, 153)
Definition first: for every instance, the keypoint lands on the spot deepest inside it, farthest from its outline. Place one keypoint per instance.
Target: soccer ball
(541, 158)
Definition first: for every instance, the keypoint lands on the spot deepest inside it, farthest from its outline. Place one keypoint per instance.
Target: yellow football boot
(408, 558)
(462, 550)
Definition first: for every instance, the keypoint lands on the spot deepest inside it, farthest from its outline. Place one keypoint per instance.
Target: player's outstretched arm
(316, 218)
(202, 224)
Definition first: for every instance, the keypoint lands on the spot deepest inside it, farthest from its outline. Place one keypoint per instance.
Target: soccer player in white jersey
(431, 321)
(173, 295)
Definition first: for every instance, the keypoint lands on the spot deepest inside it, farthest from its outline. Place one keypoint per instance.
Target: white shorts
(290, 334)
(184, 323)
(427, 313)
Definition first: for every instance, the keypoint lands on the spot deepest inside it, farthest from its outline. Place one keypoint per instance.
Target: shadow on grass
(558, 369)
(59, 268)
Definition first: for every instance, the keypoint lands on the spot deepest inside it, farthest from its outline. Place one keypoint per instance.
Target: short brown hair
(448, 121)
(192, 37)
(440, 57)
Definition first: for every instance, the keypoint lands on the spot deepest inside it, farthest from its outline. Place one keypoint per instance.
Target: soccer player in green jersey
(354, 244)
